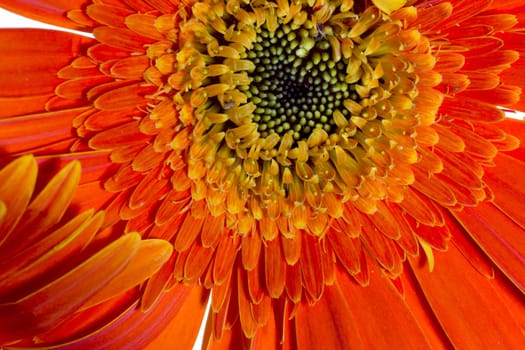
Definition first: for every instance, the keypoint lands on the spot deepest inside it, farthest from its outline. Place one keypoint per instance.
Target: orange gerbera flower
(339, 174)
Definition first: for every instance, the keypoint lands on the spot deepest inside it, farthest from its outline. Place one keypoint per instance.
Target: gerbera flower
(338, 174)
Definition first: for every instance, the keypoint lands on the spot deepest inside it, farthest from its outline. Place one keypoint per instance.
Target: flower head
(326, 168)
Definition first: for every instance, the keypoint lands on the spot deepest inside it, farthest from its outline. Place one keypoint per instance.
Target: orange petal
(262, 312)
(157, 284)
(179, 330)
(311, 267)
(471, 109)
(384, 221)
(501, 238)
(407, 241)
(433, 187)
(248, 324)
(430, 16)
(448, 62)
(468, 248)
(255, 281)
(48, 306)
(374, 324)
(346, 249)
(144, 25)
(274, 268)
(101, 120)
(212, 230)
(124, 178)
(478, 45)
(122, 135)
(329, 324)
(151, 255)
(124, 97)
(171, 207)
(198, 260)
(94, 164)
(24, 105)
(230, 339)
(294, 283)
(380, 248)
(250, 249)
(150, 188)
(122, 38)
(48, 207)
(188, 232)
(482, 80)
(139, 5)
(131, 68)
(225, 258)
(461, 169)
(108, 15)
(23, 133)
(52, 11)
(78, 88)
(36, 265)
(475, 144)
(22, 74)
(418, 306)
(220, 297)
(17, 181)
(436, 236)
(479, 319)
(291, 248)
(493, 62)
(160, 5)
(501, 96)
(464, 10)
(101, 53)
(93, 195)
(178, 313)
(420, 208)
(504, 180)
(516, 128)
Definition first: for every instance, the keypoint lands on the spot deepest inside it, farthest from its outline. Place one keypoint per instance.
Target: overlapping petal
(57, 270)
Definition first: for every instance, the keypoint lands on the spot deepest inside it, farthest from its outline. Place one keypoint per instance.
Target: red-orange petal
(479, 319)
(136, 329)
(22, 74)
(178, 330)
(108, 15)
(275, 268)
(37, 264)
(329, 324)
(122, 38)
(23, 105)
(24, 133)
(17, 181)
(150, 257)
(46, 307)
(124, 97)
(52, 11)
(501, 238)
(504, 180)
(47, 208)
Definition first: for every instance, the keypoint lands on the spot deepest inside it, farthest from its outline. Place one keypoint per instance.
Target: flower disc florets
(295, 90)
(297, 109)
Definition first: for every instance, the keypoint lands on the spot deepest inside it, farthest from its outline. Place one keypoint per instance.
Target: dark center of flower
(288, 112)
(296, 85)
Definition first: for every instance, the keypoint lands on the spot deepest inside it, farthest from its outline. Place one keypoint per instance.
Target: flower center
(296, 85)
(292, 111)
